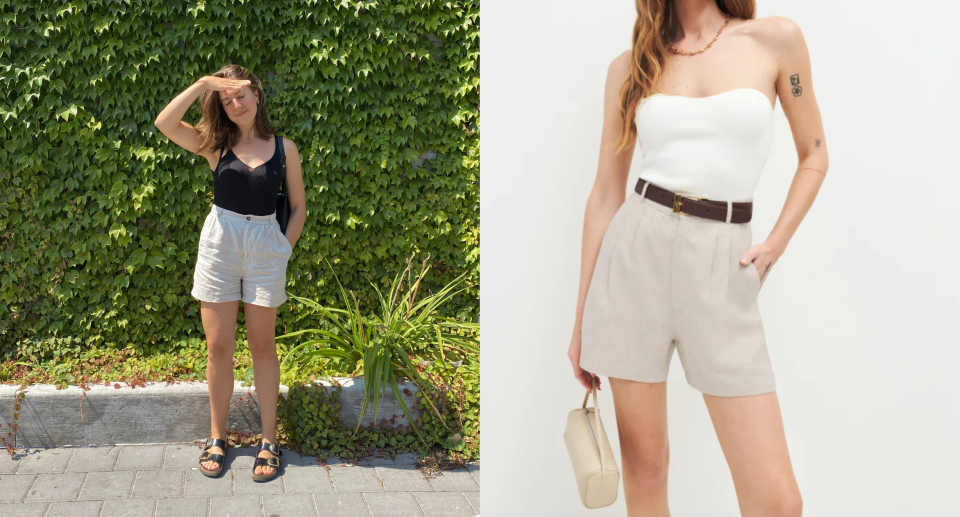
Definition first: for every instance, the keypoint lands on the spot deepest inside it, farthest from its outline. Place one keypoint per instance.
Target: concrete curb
(158, 413)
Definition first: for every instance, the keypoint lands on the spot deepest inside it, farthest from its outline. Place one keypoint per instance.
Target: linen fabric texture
(241, 257)
(666, 281)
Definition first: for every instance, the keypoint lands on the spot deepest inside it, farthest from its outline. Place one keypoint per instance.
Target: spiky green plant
(384, 346)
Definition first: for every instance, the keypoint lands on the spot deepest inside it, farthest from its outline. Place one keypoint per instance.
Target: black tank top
(240, 189)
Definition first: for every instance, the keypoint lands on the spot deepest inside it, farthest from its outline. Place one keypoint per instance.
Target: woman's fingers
(584, 377)
(586, 380)
(236, 84)
(597, 380)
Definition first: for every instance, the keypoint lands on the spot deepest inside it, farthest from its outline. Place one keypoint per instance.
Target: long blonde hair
(216, 129)
(655, 20)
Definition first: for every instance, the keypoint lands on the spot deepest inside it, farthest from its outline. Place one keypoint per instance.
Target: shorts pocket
(754, 272)
(208, 235)
(754, 276)
(284, 243)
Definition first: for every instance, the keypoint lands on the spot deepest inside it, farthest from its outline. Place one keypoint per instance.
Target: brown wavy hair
(656, 19)
(216, 129)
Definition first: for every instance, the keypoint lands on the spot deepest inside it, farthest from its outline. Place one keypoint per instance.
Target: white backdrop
(860, 312)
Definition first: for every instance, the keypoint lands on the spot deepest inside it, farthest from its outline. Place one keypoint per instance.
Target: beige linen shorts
(241, 257)
(665, 280)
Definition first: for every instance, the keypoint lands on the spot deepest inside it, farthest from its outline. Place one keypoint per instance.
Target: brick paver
(403, 479)
(454, 481)
(23, 509)
(93, 459)
(14, 488)
(74, 509)
(45, 461)
(393, 504)
(128, 507)
(474, 499)
(9, 464)
(107, 485)
(140, 457)
(164, 480)
(444, 504)
(55, 487)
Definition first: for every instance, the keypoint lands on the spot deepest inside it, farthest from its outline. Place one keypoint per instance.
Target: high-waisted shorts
(666, 281)
(241, 257)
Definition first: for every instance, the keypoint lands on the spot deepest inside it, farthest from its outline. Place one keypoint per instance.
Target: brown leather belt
(742, 211)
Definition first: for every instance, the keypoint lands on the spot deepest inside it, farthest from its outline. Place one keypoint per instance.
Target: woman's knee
(262, 349)
(780, 503)
(641, 422)
(646, 459)
(220, 350)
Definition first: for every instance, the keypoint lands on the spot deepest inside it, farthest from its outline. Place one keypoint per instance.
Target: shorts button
(248, 219)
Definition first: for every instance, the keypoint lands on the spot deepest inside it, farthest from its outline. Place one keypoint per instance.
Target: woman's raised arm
(170, 120)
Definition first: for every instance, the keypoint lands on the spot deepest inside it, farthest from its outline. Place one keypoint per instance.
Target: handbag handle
(596, 415)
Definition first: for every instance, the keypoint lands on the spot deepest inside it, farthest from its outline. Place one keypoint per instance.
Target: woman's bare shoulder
(288, 146)
(619, 68)
(773, 31)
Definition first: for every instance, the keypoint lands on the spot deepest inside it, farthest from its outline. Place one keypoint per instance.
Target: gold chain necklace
(685, 53)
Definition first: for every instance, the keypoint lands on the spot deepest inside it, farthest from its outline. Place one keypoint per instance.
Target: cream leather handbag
(594, 466)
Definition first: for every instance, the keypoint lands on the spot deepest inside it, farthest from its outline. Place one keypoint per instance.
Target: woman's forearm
(298, 217)
(173, 113)
(806, 183)
(601, 207)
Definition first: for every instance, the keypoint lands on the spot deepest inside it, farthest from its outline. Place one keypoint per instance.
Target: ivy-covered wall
(100, 214)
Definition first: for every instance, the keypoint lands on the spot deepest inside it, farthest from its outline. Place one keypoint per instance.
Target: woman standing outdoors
(243, 253)
(673, 266)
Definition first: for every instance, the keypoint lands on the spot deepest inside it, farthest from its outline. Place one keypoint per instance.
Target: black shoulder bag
(283, 203)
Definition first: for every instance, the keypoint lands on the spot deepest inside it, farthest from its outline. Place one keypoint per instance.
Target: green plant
(309, 419)
(456, 390)
(15, 415)
(7, 369)
(384, 346)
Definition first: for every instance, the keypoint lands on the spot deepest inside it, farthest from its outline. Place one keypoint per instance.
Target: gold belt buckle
(677, 203)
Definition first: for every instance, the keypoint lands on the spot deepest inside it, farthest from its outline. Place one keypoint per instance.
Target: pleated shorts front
(666, 281)
(241, 257)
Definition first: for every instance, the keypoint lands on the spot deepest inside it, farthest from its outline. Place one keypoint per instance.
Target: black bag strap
(283, 162)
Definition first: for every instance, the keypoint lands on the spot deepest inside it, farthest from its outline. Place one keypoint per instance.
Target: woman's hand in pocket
(284, 237)
(763, 256)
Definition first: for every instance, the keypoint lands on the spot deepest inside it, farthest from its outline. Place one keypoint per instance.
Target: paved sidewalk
(164, 480)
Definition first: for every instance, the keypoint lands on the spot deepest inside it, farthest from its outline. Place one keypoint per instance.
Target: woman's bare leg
(750, 430)
(261, 334)
(220, 327)
(641, 410)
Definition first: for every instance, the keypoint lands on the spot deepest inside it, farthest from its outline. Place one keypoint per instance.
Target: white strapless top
(713, 147)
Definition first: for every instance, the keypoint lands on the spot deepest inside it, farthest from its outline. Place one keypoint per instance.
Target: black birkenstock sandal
(268, 462)
(207, 456)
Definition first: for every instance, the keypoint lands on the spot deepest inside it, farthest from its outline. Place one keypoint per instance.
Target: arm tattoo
(765, 271)
(795, 85)
(818, 142)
